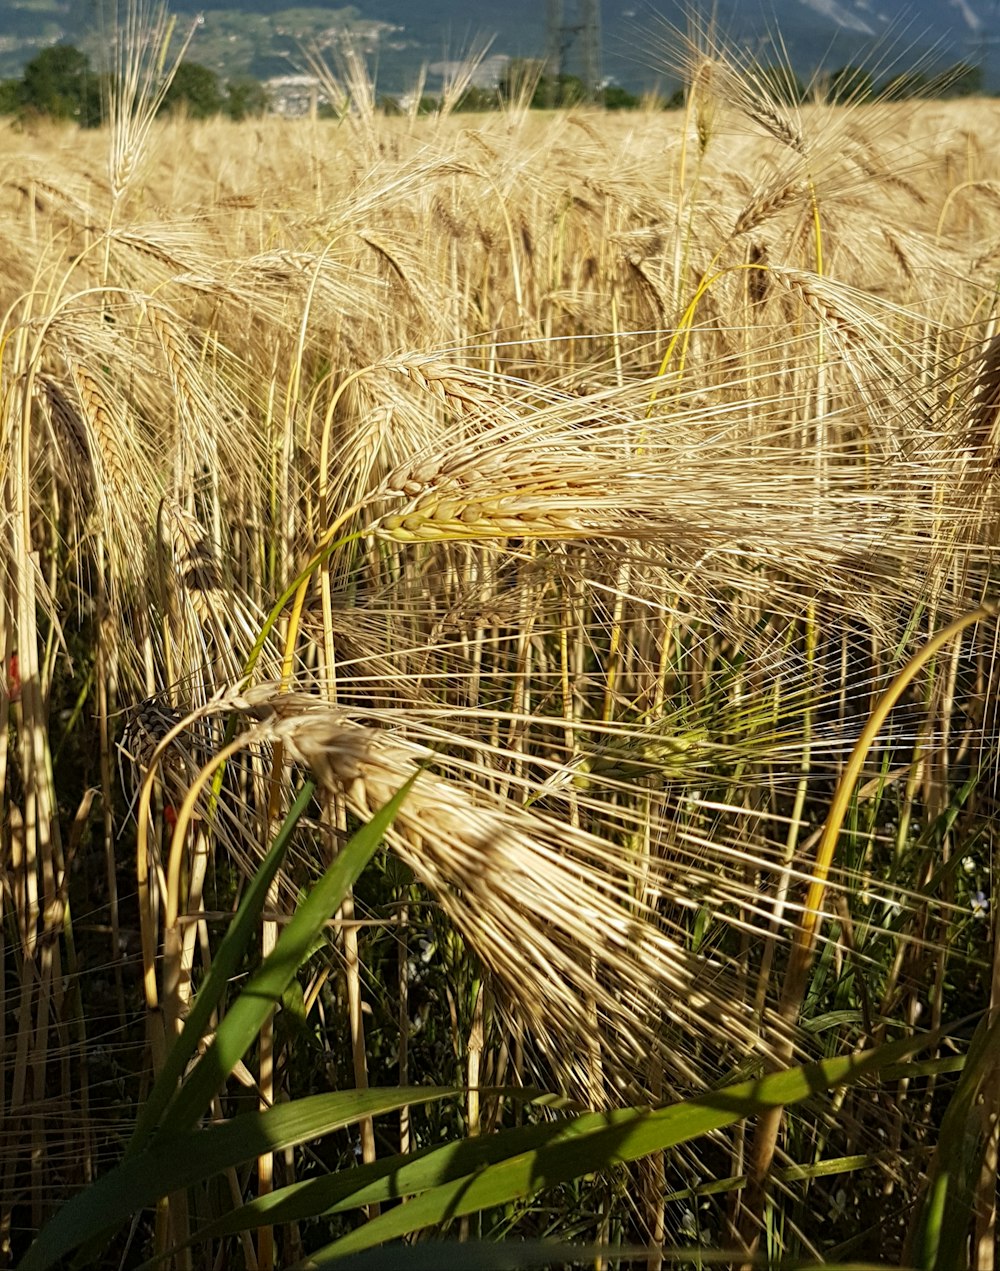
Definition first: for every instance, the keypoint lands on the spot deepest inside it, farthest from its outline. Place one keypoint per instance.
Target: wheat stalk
(552, 911)
(745, 89)
(141, 75)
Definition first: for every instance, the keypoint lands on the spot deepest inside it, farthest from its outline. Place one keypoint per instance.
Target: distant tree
(614, 97)
(194, 89)
(907, 84)
(389, 105)
(961, 80)
(782, 82)
(849, 84)
(246, 98)
(522, 78)
(477, 100)
(526, 77)
(58, 82)
(570, 89)
(10, 96)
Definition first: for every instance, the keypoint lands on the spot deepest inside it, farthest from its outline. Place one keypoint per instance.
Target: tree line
(526, 78)
(59, 82)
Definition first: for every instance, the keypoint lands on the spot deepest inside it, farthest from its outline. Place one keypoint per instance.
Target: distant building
(294, 95)
(488, 74)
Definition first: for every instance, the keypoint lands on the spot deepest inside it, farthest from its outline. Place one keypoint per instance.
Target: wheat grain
(437, 520)
(107, 431)
(451, 385)
(550, 911)
(769, 202)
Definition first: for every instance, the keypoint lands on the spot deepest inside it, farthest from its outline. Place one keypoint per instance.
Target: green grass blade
(482, 1255)
(171, 1162)
(585, 1144)
(225, 964)
(243, 1021)
(85, 1218)
(379, 1182)
(513, 1255)
(950, 1203)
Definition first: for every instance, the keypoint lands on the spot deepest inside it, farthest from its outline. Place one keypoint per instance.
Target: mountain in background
(398, 37)
(887, 36)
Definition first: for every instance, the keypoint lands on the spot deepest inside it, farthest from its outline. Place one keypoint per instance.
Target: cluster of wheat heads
(608, 467)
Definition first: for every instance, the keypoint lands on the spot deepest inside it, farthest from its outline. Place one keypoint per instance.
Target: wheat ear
(552, 911)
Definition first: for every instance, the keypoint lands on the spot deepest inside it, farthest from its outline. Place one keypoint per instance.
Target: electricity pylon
(577, 32)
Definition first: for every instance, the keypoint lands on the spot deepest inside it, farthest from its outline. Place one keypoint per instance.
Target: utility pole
(578, 32)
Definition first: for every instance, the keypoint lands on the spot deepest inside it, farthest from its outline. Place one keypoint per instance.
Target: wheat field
(613, 474)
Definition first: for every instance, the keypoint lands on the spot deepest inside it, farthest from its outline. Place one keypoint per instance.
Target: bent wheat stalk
(800, 961)
(551, 910)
